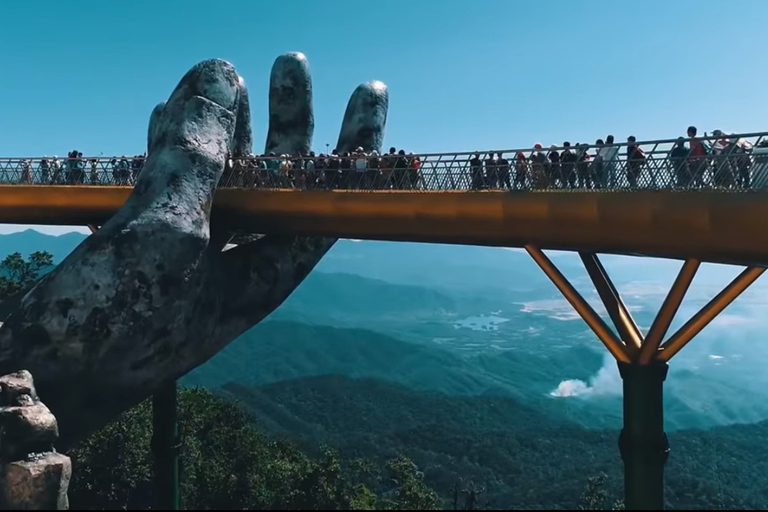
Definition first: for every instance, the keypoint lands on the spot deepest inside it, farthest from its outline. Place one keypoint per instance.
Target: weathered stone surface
(291, 117)
(151, 295)
(26, 429)
(38, 483)
(33, 476)
(26, 424)
(365, 116)
(17, 388)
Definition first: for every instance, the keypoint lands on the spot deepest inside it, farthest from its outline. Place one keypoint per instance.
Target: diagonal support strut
(708, 313)
(668, 310)
(633, 347)
(628, 330)
(590, 316)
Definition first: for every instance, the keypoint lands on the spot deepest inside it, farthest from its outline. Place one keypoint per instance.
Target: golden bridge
(667, 204)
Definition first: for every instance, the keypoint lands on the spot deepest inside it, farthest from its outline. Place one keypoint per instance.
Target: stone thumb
(191, 136)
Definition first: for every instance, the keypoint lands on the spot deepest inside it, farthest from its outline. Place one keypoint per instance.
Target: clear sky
(462, 75)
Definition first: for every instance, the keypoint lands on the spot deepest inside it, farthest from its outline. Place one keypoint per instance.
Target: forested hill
(525, 458)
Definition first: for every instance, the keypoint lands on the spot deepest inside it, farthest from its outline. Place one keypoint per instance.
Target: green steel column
(643, 443)
(165, 447)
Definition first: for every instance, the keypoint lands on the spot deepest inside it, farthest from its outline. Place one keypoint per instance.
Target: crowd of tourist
(73, 170)
(719, 160)
(349, 170)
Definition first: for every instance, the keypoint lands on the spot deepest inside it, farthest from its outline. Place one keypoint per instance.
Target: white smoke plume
(606, 381)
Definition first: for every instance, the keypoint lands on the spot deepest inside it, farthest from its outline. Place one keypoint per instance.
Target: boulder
(32, 475)
(39, 482)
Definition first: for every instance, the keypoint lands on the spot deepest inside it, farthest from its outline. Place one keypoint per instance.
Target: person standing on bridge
(541, 178)
(55, 170)
(598, 166)
(286, 171)
(679, 159)
(137, 162)
(26, 172)
(310, 170)
(347, 170)
(521, 171)
(568, 166)
(609, 154)
(45, 171)
(125, 171)
(476, 172)
(401, 172)
(373, 176)
(361, 168)
(584, 166)
(698, 157)
(273, 170)
(299, 179)
(555, 168)
(70, 167)
(502, 168)
(94, 177)
(491, 173)
(333, 170)
(635, 161)
(386, 166)
(414, 171)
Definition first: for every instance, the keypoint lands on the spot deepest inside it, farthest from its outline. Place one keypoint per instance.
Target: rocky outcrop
(32, 475)
(151, 295)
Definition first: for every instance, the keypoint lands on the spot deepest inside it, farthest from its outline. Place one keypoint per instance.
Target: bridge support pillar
(165, 447)
(643, 443)
(643, 363)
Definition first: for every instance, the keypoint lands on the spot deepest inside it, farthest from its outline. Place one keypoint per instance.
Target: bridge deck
(710, 225)
(664, 205)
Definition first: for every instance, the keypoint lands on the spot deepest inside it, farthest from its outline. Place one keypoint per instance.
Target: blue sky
(462, 76)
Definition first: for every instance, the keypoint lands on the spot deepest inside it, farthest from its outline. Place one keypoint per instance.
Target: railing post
(165, 447)
(643, 443)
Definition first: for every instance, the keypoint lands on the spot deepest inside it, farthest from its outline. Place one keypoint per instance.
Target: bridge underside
(708, 225)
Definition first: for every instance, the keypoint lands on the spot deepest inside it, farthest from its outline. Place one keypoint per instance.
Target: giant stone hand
(152, 295)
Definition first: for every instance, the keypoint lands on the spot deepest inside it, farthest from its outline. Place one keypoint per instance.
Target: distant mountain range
(451, 355)
(435, 318)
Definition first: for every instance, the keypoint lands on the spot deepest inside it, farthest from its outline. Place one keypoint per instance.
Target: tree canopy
(16, 273)
(228, 464)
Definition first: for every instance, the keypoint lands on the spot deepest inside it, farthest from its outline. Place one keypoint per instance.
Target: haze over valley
(487, 321)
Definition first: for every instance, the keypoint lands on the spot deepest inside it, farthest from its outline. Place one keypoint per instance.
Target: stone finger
(365, 119)
(260, 275)
(154, 125)
(291, 117)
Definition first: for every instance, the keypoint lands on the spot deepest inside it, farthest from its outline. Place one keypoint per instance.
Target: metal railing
(737, 162)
